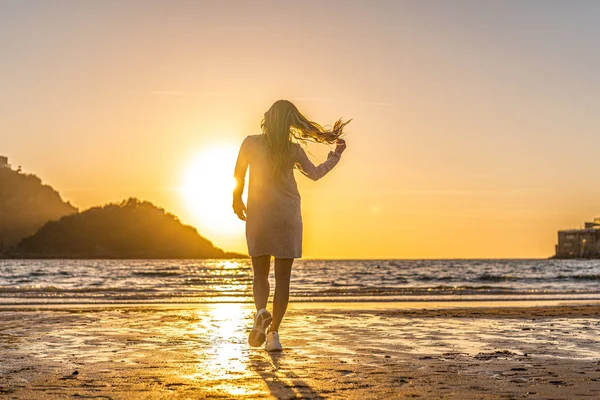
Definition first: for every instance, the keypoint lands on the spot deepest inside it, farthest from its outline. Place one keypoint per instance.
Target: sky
(475, 129)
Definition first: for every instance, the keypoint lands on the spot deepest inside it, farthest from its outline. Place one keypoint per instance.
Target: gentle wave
(149, 280)
(593, 277)
(334, 291)
(54, 289)
(157, 274)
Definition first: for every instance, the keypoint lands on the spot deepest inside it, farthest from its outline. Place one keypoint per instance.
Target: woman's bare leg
(283, 271)
(260, 282)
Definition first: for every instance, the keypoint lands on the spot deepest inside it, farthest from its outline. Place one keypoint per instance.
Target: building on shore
(4, 162)
(580, 243)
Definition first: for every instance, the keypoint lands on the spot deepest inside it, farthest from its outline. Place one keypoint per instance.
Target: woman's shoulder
(254, 138)
(297, 149)
(251, 140)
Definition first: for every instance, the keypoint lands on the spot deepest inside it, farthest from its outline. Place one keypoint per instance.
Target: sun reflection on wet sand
(226, 358)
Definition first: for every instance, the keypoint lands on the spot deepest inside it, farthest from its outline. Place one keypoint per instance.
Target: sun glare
(207, 190)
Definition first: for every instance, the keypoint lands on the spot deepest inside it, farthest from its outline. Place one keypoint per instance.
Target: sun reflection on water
(230, 264)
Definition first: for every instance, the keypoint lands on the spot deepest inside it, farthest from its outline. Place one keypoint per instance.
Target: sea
(31, 282)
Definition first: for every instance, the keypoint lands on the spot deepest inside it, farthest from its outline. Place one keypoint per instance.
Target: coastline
(407, 307)
(332, 350)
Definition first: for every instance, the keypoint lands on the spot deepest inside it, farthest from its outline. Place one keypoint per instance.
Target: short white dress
(273, 217)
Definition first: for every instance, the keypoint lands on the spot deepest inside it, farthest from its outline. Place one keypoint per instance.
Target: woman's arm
(241, 166)
(317, 172)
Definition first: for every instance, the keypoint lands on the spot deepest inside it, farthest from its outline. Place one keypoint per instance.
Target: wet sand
(332, 350)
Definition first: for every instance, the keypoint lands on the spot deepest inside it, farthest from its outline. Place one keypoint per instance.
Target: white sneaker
(273, 343)
(262, 320)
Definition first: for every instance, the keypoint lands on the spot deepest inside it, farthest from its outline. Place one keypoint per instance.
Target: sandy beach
(332, 350)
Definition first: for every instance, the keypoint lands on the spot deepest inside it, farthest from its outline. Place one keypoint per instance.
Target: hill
(130, 229)
(25, 205)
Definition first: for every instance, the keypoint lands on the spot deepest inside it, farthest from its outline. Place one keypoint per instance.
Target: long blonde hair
(283, 123)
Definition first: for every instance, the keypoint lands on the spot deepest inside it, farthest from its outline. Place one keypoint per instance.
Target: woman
(273, 220)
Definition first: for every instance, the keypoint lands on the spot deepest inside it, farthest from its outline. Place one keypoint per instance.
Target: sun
(207, 190)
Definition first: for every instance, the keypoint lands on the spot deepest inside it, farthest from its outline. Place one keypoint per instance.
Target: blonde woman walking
(273, 219)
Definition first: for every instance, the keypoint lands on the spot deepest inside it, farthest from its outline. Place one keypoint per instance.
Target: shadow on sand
(282, 383)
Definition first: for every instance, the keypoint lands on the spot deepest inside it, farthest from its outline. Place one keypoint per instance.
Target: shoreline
(343, 305)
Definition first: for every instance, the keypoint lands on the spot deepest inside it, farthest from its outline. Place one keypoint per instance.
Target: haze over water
(102, 281)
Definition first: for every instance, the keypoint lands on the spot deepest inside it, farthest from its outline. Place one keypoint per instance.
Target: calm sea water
(109, 281)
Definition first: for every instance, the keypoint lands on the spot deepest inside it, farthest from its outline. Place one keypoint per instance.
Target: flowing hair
(283, 123)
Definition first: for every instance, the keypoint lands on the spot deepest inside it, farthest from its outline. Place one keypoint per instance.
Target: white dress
(274, 221)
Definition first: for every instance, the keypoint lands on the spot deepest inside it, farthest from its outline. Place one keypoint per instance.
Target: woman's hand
(341, 146)
(239, 208)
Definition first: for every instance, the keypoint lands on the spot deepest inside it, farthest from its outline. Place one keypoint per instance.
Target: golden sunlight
(207, 190)
(227, 359)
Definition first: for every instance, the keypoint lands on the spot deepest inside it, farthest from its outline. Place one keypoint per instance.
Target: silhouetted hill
(131, 229)
(25, 205)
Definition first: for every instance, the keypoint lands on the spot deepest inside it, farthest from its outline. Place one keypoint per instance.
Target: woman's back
(273, 216)
(264, 185)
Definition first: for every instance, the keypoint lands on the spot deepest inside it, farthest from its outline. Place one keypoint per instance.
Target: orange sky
(474, 126)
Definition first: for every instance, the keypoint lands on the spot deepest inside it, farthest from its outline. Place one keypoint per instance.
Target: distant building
(580, 243)
(4, 162)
